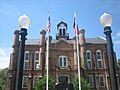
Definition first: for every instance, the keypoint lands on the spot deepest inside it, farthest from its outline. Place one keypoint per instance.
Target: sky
(88, 13)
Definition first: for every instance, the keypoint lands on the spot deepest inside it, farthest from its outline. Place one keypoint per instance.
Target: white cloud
(116, 39)
(4, 57)
(117, 42)
(118, 33)
(2, 53)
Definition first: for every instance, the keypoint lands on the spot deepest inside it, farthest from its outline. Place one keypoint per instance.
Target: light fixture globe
(24, 21)
(106, 20)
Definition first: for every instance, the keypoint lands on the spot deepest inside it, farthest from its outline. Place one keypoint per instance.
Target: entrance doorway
(62, 83)
(63, 79)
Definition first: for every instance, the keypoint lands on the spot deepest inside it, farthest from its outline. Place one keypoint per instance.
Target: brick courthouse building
(62, 59)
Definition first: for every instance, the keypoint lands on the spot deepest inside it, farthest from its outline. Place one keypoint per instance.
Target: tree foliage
(84, 83)
(118, 66)
(41, 85)
(3, 77)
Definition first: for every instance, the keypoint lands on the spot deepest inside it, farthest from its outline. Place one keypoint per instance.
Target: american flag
(75, 26)
(48, 24)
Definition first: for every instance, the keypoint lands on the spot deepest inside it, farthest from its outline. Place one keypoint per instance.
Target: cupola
(62, 31)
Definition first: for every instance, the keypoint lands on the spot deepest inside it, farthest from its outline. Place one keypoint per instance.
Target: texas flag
(75, 26)
(48, 24)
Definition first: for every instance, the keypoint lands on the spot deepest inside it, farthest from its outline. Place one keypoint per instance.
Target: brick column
(82, 47)
(42, 51)
(13, 62)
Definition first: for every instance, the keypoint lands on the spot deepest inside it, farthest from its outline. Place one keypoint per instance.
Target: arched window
(26, 60)
(99, 59)
(26, 55)
(89, 59)
(63, 31)
(63, 62)
(63, 79)
(36, 60)
(60, 31)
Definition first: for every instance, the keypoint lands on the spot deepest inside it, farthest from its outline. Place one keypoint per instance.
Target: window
(60, 30)
(99, 55)
(26, 55)
(63, 32)
(37, 56)
(26, 65)
(88, 55)
(99, 59)
(60, 62)
(36, 60)
(36, 65)
(25, 82)
(26, 60)
(35, 80)
(91, 80)
(101, 81)
(89, 59)
(99, 64)
(63, 61)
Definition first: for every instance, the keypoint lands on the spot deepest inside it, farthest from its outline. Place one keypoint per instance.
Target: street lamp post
(24, 22)
(106, 21)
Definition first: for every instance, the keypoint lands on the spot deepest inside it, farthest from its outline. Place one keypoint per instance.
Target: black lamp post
(106, 21)
(24, 22)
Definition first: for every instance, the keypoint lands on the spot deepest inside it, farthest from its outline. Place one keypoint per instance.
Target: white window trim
(92, 80)
(36, 60)
(24, 65)
(26, 60)
(35, 55)
(89, 59)
(63, 61)
(25, 55)
(99, 59)
(103, 80)
(34, 80)
(23, 82)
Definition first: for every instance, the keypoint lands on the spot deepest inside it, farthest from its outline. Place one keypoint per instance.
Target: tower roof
(61, 23)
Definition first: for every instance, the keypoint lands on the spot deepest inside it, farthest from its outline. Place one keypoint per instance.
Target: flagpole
(78, 57)
(47, 62)
(78, 53)
(47, 53)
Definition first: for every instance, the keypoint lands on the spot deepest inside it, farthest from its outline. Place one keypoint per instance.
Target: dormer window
(60, 32)
(62, 29)
(63, 32)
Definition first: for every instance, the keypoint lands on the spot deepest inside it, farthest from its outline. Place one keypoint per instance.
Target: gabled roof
(61, 23)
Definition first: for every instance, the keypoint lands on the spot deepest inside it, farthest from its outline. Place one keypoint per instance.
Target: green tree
(1, 85)
(41, 85)
(118, 70)
(3, 77)
(84, 83)
(118, 66)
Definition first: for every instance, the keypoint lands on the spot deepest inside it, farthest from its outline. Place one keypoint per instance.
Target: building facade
(62, 59)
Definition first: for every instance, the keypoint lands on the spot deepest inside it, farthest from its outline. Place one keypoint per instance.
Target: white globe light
(24, 21)
(106, 20)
